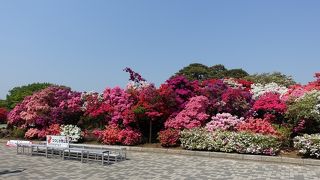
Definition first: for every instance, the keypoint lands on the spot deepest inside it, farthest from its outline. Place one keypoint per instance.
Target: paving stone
(151, 165)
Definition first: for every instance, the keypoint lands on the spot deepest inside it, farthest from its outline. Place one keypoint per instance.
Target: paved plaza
(148, 166)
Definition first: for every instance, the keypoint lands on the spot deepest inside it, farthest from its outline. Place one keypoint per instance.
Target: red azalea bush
(270, 104)
(257, 126)
(114, 135)
(169, 137)
(110, 135)
(3, 115)
(130, 137)
(193, 115)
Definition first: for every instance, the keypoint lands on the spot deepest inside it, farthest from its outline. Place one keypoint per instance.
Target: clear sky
(86, 44)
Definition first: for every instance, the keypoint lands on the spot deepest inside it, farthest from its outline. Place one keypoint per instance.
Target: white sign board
(57, 141)
(13, 143)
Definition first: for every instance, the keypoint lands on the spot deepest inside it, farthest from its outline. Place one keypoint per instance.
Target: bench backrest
(57, 141)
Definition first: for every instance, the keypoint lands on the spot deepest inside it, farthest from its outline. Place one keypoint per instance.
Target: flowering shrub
(224, 121)
(258, 89)
(236, 101)
(193, 115)
(226, 141)
(129, 137)
(304, 112)
(169, 137)
(73, 132)
(3, 115)
(98, 134)
(257, 126)
(308, 145)
(111, 135)
(32, 133)
(270, 104)
(52, 105)
(180, 89)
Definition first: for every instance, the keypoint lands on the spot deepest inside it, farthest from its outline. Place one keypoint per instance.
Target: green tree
(236, 73)
(218, 71)
(17, 94)
(195, 71)
(276, 77)
(3, 103)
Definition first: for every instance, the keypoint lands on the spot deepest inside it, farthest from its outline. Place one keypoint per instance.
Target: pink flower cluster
(193, 115)
(223, 121)
(52, 105)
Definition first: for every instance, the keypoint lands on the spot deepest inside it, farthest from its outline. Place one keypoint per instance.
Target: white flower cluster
(137, 85)
(232, 83)
(308, 145)
(72, 131)
(259, 89)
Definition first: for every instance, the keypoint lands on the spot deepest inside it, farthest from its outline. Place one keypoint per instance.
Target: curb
(209, 154)
(233, 156)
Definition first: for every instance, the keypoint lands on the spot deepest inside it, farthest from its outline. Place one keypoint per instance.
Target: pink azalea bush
(54, 104)
(193, 115)
(223, 121)
(32, 133)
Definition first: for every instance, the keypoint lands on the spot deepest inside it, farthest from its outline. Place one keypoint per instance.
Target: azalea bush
(257, 126)
(226, 141)
(259, 89)
(308, 145)
(169, 137)
(72, 131)
(3, 115)
(304, 113)
(52, 105)
(223, 121)
(193, 115)
(114, 135)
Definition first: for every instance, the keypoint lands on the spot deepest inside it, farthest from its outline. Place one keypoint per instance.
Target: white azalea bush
(72, 131)
(259, 89)
(308, 145)
(226, 141)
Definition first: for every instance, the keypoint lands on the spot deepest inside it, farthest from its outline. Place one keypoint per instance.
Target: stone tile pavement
(142, 165)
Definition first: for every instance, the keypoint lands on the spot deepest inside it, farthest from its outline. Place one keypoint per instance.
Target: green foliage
(18, 132)
(195, 71)
(17, 94)
(236, 73)
(277, 77)
(305, 109)
(201, 72)
(3, 103)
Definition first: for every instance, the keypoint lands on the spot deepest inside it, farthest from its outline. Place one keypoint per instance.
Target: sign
(57, 141)
(13, 143)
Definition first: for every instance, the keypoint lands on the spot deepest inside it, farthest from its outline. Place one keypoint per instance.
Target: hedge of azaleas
(230, 115)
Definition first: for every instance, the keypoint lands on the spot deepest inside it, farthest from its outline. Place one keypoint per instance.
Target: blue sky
(86, 44)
